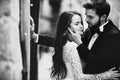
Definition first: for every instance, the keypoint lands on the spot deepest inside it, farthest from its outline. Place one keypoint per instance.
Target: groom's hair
(102, 7)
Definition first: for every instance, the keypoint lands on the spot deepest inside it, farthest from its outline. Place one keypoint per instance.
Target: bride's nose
(81, 27)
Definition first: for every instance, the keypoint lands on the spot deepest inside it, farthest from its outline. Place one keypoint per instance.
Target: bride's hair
(59, 69)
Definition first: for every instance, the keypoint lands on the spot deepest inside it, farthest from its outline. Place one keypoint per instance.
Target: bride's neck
(69, 39)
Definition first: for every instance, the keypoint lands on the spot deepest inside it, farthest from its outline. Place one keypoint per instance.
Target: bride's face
(76, 24)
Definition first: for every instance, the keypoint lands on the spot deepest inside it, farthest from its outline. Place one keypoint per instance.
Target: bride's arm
(108, 75)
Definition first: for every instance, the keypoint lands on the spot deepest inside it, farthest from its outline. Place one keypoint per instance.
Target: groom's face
(92, 19)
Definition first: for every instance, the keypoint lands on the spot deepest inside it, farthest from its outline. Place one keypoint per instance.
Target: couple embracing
(89, 55)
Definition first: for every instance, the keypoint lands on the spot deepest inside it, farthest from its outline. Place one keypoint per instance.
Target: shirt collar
(102, 26)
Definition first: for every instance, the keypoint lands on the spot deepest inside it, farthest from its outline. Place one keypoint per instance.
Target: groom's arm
(46, 40)
(43, 40)
(88, 56)
(84, 53)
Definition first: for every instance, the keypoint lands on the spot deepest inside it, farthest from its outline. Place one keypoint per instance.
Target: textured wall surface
(115, 12)
(10, 54)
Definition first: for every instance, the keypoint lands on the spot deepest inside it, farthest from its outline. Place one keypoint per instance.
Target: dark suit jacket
(105, 53)
(46, 40)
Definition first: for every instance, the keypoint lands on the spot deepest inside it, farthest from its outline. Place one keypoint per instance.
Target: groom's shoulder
(111, 28)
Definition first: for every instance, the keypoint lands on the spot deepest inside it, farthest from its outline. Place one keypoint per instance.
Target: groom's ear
(103, 18)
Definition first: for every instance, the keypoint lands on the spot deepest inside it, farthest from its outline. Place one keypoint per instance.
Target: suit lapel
(109, 29)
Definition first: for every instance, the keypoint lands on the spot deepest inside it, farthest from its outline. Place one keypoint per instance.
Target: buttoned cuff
(36, 38)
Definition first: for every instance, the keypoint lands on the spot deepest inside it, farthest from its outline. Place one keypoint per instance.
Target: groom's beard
(95, 26)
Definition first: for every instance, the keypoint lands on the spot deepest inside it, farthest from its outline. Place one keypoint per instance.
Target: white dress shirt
(95, 36)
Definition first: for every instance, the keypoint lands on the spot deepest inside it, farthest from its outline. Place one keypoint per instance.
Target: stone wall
(10, 53)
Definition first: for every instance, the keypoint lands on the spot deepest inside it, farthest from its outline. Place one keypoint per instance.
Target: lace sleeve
(73, 57)
(76, 65)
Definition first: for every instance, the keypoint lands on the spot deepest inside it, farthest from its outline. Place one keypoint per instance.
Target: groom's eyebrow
(90, 16)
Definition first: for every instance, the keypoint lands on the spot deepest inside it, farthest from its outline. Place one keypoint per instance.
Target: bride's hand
(113, 74)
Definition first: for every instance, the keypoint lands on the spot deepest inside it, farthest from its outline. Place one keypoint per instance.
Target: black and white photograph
(59, 40)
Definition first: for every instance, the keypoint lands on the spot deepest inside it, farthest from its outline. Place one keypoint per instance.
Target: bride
(67, 64)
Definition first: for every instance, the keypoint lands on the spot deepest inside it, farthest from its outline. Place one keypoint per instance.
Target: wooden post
(25, 34)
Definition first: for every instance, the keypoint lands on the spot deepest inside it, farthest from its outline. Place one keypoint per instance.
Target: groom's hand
(75, 36)
(32, 28)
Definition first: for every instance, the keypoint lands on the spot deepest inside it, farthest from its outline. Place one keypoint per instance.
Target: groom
(100, 47)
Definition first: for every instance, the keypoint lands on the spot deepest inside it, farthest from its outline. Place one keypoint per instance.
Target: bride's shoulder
(69, 48)
(69, 45)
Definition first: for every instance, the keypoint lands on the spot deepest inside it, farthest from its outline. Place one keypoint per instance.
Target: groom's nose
(87, 20)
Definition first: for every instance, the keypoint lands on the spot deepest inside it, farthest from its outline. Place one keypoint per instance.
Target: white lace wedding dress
(74, 65)
(72, 61)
